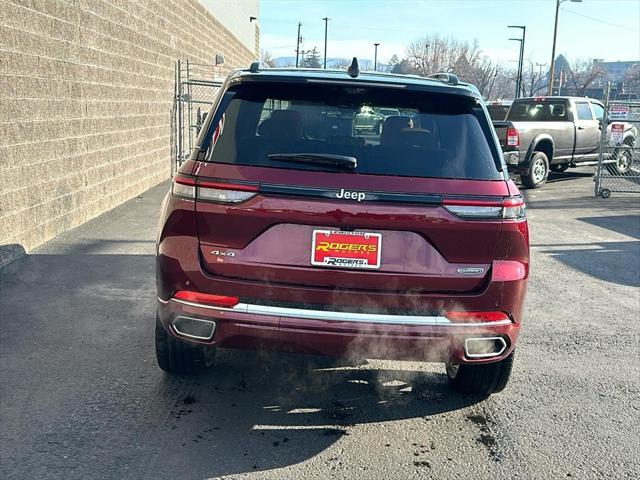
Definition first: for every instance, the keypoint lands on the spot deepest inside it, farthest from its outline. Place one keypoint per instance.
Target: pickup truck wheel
(559, 168)
(482, 379)
(178, 356)
(623, 159)
(538, 171)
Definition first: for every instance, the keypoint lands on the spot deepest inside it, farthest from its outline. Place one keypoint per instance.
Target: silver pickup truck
(542, 134)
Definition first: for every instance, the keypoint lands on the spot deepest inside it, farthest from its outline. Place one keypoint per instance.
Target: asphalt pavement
(82, 398)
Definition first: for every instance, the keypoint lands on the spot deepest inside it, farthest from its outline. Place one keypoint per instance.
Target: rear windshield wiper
(340, 161)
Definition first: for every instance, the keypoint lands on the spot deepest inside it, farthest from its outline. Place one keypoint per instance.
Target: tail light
(183, 186)
(476, 317)
(512, 208)
(206, 298)
(513, 137)
(218, 192)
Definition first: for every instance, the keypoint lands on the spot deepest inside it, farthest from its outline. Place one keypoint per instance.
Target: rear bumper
(512, 158)
(424, 338)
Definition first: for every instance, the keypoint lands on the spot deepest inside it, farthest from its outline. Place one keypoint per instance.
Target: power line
(600, 20)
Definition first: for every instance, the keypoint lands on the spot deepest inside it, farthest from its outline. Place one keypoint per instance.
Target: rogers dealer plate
(359, 250)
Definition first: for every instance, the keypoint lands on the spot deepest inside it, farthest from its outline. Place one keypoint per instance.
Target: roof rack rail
(257, 66)
(445, 77)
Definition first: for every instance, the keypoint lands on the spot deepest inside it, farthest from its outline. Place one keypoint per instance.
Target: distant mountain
(332, 62)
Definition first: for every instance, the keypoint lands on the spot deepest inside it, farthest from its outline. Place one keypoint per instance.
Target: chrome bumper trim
(333, 316)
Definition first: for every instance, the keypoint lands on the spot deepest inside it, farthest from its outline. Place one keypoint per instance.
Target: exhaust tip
(484, 347)
(195, 328)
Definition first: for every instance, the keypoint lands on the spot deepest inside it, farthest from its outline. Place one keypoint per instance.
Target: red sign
(346, 249)
(617, 133)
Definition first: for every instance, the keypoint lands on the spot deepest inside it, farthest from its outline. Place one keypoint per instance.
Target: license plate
(346, 249)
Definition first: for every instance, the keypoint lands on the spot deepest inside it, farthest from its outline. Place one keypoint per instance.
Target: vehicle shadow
(568, 175)
(261, 411)
(78, 356)
(624, 224)
(615, 262)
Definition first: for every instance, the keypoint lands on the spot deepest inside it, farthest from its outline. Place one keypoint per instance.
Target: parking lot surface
(81, 395)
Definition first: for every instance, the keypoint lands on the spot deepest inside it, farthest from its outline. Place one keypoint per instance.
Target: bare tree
(581, 74)
(341, 64)
(631, 80)
(434, 53)
(266, 57)
(533, 82)
(484, 75)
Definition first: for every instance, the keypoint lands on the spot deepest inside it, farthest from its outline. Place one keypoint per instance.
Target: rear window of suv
(436, 135)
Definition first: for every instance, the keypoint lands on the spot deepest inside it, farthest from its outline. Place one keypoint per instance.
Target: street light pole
(326, 23)
(298, 44)
(553, 49)
(519, 80)
(375, 57)
(519, 73)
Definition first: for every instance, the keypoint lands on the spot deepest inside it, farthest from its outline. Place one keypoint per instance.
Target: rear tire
(483, 379)
(559, 168)
(178, 356)
(538, 171)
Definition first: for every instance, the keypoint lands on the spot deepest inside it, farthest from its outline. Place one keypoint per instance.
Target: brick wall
(85, 97)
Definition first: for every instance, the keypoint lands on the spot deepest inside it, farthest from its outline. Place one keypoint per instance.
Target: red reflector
(206, 298)
(471, 317)
(508, 271)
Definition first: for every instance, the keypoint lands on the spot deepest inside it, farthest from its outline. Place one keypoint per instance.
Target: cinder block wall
(85, 98)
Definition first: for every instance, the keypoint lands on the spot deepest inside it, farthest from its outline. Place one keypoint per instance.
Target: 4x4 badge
(470, 270)
(222, 253)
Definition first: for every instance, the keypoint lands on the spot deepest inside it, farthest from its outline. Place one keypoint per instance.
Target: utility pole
(539, 65)
(326, 23)
(426, 58)
(298, 44)
(520, 58)
(375, 57)
(553, 49)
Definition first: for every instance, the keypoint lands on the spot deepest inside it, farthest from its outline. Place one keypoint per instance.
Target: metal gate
(619, 158)
(195, 89)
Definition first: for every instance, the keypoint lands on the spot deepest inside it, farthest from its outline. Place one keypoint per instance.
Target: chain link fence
(196, 86)
(619, 156)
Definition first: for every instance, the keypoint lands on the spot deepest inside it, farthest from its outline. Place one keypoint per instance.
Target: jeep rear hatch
(290, 192)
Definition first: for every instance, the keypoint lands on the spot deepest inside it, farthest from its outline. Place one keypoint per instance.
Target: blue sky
(608, 29)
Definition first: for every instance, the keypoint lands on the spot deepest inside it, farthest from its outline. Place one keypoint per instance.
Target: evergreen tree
(312, 59)
(393, 61)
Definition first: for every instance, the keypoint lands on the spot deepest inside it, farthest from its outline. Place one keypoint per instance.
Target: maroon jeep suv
(289, 229)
